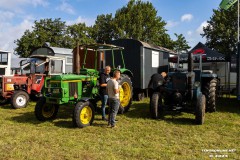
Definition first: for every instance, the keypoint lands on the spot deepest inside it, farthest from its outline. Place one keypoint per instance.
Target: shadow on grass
(29, 117)
(63, 119)
(180, 120)
(141, 110)
(6, 106)
(231, 105)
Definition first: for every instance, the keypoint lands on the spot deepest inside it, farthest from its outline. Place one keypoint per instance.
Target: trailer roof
(4, 51)
(51, 51)
(100, 47)
(147, 45)
(65, 51)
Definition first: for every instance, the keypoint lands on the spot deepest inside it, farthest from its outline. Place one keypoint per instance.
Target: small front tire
(19, 99)
(83, 114)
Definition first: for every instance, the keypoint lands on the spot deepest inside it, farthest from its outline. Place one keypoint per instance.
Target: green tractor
(81, 89)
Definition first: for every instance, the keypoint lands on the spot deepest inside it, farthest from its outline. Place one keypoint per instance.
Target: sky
(185, 17)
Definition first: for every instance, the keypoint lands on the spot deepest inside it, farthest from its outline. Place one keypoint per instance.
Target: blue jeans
(114, 106)
(104, 99)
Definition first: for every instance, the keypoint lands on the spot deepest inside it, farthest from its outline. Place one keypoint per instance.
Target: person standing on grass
(113, 97)
(104, 77)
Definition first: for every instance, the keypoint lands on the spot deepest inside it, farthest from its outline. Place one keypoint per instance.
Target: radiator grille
(73, 88)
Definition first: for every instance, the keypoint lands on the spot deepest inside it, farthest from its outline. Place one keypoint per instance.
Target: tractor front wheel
(19, 99)
(155, 103)
(44, 111)
(125, 93)
(83, 114)
(200, 109)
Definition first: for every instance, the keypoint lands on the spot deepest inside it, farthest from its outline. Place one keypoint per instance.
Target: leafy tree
(45, 30)
(103, 29)
(181, 45)
(139, 20)
(221, 31)
(79, 34)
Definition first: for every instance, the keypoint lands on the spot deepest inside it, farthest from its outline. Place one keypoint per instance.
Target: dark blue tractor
(181, 92)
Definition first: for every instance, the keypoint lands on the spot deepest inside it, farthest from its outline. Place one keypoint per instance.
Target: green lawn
(136, 136)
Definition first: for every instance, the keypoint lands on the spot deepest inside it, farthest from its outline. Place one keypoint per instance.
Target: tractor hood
(67, 77)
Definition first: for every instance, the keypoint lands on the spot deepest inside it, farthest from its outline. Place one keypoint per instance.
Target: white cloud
(80, 19)
(186, 17)
(16, 5)
(6, 15)
(171, 24)
(189, 33)
(66, 7)
(200, 28)
(9, 33)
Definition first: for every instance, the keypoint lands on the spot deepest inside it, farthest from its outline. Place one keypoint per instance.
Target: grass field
(136, 136)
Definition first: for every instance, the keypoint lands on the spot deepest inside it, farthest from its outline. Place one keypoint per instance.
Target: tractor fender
(85, 99)
(196, 92)
(127, 72)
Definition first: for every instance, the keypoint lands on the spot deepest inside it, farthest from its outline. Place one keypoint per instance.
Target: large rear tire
(83, 114)
(155, 103)
(19, 99)
(125, 93)
(209, 91)
(45, 111)
(200, 109)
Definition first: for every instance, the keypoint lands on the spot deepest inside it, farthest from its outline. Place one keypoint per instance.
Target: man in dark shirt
(104, 77)
(154, 82)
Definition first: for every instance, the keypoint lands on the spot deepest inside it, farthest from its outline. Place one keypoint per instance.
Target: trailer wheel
(209, 91)
(83, 114)
(200, 109)
(19, 99)
(44, 111)
(125, 93)
(155, 103)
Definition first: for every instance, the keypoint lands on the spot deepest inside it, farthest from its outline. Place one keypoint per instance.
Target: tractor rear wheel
(125, 93)
(200, 109)
(209, 91)
(44, 111)
(83, 114)
(19, 99)
(155, 102)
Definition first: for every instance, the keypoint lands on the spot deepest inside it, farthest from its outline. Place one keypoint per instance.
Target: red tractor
(19, 88)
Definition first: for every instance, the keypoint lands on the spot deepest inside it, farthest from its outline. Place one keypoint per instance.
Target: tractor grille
(73, 88)
(179, 81)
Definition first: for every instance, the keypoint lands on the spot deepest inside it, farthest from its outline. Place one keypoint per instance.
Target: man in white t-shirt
(113, 97)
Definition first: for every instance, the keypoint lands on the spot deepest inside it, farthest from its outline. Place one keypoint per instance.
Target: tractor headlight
(196, 84)
(10, 87)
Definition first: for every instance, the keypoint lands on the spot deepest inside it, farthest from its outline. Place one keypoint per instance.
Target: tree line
(137, 20)
(221, 33)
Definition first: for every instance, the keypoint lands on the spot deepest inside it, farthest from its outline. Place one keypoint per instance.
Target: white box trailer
(5, 63)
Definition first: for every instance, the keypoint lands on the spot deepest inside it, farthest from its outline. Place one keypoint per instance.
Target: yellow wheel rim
(86, 115)
(48, 110)
(125, 94)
